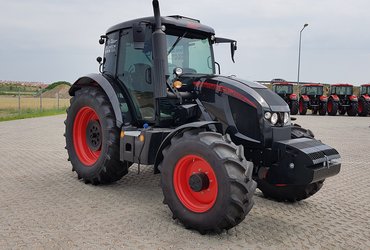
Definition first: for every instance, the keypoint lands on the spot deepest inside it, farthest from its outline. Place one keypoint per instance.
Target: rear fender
(98, 80)
(293, 97)
(182, 129)
(323, 98)
(305, 98)
(335, 98)
(353, 98)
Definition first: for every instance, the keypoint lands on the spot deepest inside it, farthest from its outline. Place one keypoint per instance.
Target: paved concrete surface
(43, 205)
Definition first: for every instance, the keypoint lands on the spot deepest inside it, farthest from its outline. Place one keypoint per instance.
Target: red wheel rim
(84, 153)
(197, 202)
(360, 107)
(330, 106)
(300, 107)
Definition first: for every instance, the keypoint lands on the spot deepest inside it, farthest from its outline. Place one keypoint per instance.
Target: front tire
(302, 107)
(363, 107)
(294, 107)
(332, 107)
(352, 109)
(92, 138)
(323, 108)
(206, 181)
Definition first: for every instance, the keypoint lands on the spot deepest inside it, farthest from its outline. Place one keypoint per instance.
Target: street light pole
(299, 52)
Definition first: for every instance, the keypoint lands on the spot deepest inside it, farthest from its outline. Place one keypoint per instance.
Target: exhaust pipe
(160, 65)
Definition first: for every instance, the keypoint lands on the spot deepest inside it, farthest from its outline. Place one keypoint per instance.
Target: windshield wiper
(176, 42)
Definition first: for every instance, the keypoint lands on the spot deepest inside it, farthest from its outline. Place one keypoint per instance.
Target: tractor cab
(312, 90)
(341, 90)
(185, 49)
(286, 91)
(283, 89)
(365, 89)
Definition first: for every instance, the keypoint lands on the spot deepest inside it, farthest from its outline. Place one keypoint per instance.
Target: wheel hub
(198, 182)
(93, 135)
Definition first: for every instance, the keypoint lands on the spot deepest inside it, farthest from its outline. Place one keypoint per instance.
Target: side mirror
(233, 49)
(138, 31)
(233, 46)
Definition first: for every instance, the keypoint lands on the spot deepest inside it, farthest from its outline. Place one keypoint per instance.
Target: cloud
(58, 40)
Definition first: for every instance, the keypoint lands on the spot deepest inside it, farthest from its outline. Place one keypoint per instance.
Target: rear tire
(352, 109)
(332, 107)
(363, 107)
(342, 110)
(226, 200)
(323, 108)
(92, 138)
(302, 107)
(294, 107)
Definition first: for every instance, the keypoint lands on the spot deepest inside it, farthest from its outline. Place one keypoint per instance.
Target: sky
(51, 40)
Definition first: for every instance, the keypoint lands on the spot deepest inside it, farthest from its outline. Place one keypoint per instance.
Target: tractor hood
(252, 93)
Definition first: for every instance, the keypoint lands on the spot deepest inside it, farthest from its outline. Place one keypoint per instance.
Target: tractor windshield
(343, 90)
(283, 89)
(314, 90)
(365, 90)
(193, 55)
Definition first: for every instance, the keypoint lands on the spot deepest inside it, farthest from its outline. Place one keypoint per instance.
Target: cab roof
(342, 85)
(365, 85)
(175, 21)
(313, 85)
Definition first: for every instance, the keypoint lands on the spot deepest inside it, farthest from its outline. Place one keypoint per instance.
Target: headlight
(274, 118)
(267, 115)
(286, 118)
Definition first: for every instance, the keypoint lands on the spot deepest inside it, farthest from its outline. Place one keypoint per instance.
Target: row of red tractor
(340, 99)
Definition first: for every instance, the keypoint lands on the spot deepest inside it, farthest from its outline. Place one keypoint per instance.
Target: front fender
(323, 98)
(366, 97)
(293, 97)
(335, 98)
(353, 98)
(305, 98)
(99, 80)
(179, 130)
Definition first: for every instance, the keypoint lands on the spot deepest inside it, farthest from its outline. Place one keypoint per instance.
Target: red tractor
(313, 98)
(342, 100)
(285, 91)
(364, 100)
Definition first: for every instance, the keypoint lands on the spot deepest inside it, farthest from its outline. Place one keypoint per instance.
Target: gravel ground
(44, 206)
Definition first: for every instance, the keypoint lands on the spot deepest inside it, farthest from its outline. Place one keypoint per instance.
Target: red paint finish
(293, 97)
(197, 202)
(342, 85)
(353, 98)
(226, 90)
(87, 156)
(335, 98)
(323, 98)
(313, 85)
(306, 98)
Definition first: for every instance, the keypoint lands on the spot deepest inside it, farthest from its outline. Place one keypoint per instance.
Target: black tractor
(313, 98)
(342, 100)
(285, 90)
(158, 101)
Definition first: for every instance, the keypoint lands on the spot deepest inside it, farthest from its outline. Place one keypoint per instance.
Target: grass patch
(30, 113)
